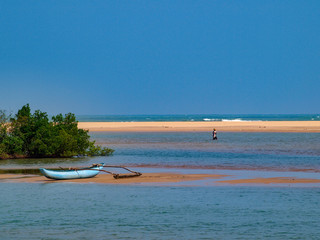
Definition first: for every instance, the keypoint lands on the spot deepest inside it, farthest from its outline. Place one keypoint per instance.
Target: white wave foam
(239, 120)
(229, 120)
(233, 120)
(211, 119)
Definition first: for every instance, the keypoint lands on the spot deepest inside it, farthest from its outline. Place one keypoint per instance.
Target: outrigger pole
(116, 175)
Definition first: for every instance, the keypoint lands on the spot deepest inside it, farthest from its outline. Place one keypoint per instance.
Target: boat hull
(71, 174)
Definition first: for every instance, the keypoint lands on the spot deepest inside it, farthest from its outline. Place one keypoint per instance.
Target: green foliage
(96, 150)
(33, 135)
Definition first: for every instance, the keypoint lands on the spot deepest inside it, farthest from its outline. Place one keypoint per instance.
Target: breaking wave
(228, 120)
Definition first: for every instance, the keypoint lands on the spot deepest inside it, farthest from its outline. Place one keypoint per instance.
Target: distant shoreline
(232, 126)
(199, 118)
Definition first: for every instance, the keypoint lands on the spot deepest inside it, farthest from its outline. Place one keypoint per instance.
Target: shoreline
(174, 178)
(254, 126)
(171, 179)
(159, 177)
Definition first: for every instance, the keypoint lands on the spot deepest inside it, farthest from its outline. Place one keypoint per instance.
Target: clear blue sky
(160, 57)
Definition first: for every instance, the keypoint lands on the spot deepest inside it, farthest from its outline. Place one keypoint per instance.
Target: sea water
(281, 151)
(93, 211)
(264, 151)
(98, 211)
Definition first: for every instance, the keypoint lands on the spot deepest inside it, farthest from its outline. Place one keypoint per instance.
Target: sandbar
(243, 126)
(274, 180)
(108, 179)
(163, 177)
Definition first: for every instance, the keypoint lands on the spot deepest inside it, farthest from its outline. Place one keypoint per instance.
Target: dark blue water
(199, 117)
(92, 211)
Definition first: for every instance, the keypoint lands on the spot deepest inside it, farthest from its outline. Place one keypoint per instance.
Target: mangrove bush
(30, 135)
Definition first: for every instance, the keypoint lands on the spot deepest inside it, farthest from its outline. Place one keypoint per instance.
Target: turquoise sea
(194, 210)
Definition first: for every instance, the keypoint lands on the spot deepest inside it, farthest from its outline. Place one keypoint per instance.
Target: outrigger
(89, 172)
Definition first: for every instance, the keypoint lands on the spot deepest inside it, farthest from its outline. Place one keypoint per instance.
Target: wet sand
(256, 126)
(162, 177)
(108, 179)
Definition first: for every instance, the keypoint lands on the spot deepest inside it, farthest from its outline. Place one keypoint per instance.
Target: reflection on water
(41, 162)
(284, 151)
(260, 143)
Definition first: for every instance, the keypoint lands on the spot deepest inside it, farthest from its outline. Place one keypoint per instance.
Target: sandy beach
(254, 126)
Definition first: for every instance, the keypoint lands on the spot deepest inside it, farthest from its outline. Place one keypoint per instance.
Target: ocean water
(172, 211)
(264, 151)
(74, 211)
(199, 117)
(279, 151)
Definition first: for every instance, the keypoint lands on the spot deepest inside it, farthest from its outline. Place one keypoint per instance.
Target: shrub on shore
(34, 136)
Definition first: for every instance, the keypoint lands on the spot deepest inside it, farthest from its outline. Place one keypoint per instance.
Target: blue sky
(160, 57)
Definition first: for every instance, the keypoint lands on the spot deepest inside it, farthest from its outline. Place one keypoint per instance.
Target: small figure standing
(214, 134)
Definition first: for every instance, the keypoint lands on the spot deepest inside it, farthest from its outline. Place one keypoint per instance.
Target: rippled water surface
(284, 151)
(96, 211)
(74, 211)
(239, 150)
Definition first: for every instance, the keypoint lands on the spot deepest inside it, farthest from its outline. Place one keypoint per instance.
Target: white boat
(72, 173)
